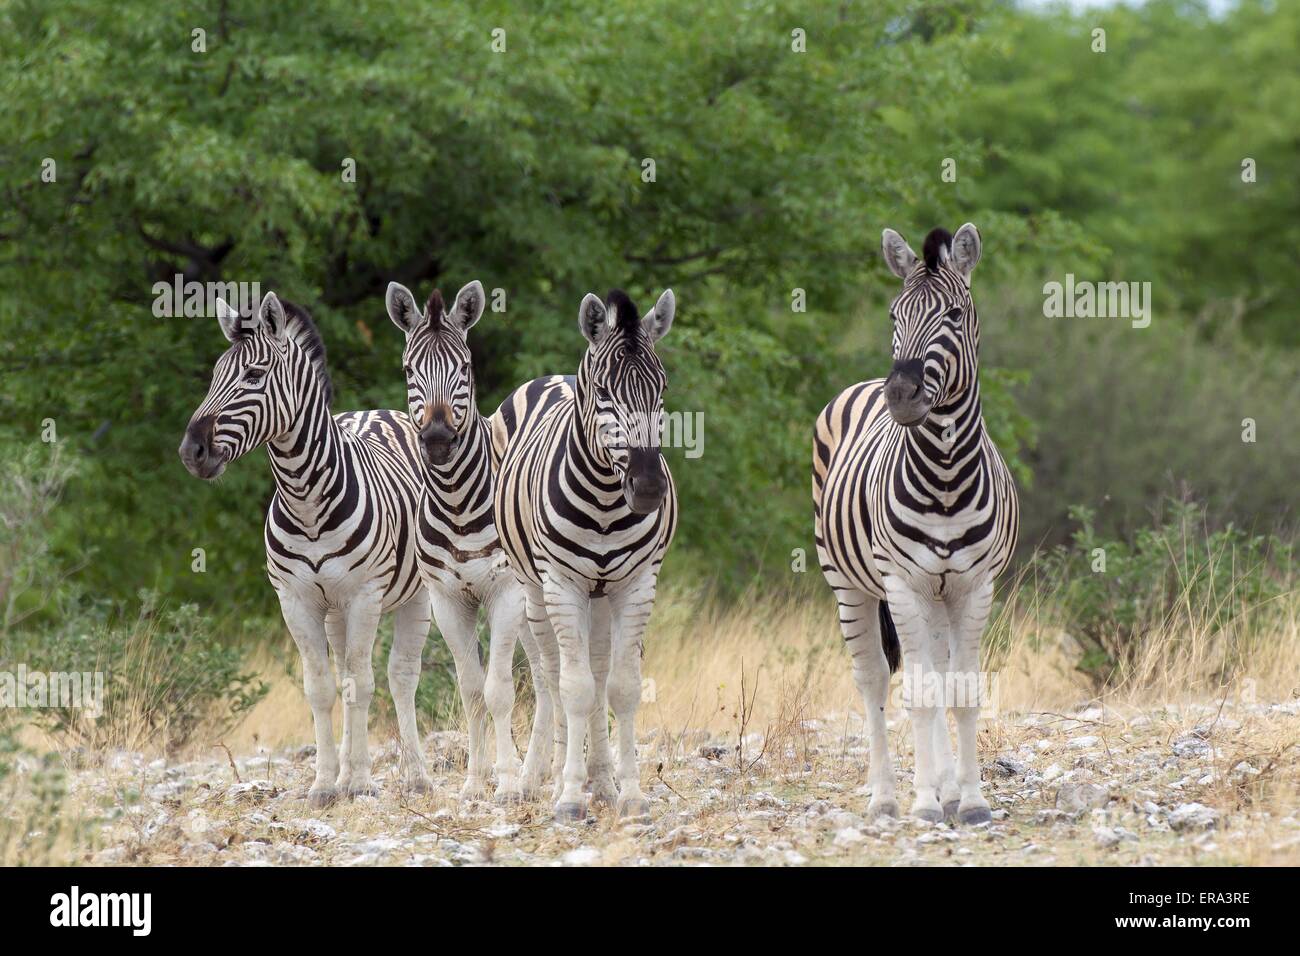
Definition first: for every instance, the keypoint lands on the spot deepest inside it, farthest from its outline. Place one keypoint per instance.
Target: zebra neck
(309, 460)
(596, 472)
(463, 486)
(949, 434)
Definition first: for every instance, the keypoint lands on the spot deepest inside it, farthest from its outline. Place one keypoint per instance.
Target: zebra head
(436, 362)
(275, 364)
(936, 330)
(620, 391)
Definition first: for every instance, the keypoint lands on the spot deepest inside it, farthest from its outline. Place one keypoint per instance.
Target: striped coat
(340, 531)
(586, 509)
(915, 515)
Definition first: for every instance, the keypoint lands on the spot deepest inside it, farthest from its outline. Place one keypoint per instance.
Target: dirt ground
(1205, 784)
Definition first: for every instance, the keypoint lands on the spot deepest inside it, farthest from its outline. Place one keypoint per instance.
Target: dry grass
(761, 664)
(766, 685)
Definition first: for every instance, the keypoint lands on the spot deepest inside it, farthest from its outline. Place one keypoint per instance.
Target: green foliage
(167, 676)
(774, 171)
(1143, 146)
(31, 801)
(1124, 417)
(166, 672)
(1177, 574)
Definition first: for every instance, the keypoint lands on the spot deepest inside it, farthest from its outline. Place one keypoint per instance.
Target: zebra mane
(434, 309)
(302, 330)
(936, 243)
(626, 315)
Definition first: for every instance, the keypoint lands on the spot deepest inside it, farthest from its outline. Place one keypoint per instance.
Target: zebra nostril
(199, 451)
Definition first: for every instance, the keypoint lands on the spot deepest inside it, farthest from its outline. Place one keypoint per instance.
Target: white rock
(1077, 797)
(1193, 816)
(582, 856)
(848, 837)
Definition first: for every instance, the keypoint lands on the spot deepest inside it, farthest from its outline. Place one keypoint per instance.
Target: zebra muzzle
(437, 442)
(905, 393)
(198, 450)
(646, 484)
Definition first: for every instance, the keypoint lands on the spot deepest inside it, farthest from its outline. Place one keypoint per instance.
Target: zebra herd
(554, 514)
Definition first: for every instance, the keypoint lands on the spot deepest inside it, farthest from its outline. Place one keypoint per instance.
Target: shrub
(167, 676)
(166, 673)
(1174, 578)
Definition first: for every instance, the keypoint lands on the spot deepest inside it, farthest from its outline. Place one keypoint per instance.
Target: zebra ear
(401, 307)
(592, 318)
(659, 320)
(469, 306)
(898, 254)
(228, 319)
(271, 315)
(966, 249)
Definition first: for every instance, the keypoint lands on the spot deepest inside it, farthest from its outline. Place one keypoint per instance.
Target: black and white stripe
(340, 530)
(915, 515)
(586, 509)
(460, 555)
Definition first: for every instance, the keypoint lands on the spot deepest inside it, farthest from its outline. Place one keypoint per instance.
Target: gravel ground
(1205, 784)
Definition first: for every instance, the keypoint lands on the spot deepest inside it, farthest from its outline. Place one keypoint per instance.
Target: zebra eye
(254, 376)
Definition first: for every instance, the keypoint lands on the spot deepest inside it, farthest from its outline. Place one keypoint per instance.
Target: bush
(166, 676)
(1175, 578)
(166, 673)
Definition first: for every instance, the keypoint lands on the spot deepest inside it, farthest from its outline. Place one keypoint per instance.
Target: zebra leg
(499, 693)
(362, 617)
(569, 610)
(912, 616)
(949, 795)
(860, 625)
(336, 631)
(629, 613)
(548, 649)
(969, 616)
(410, 631)
(307, 626)
(541, 743)
(456, 620)
(600, 763)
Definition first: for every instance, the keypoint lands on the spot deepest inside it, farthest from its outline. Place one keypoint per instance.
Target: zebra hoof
(508, 797)
(354, 790)
(416, 786)
(473, 789)
(928, 814)
(634, 808)
(570, 813)
(321, 797)
(604, 792)
(973, 816)
(886, 807)
(950, 808)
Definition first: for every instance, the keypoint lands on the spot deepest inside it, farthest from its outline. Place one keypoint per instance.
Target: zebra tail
(889, 638)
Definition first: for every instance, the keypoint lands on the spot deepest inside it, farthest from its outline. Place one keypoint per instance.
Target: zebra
(340, 529)
(586, 508)
(915, 515)
(459, 553)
